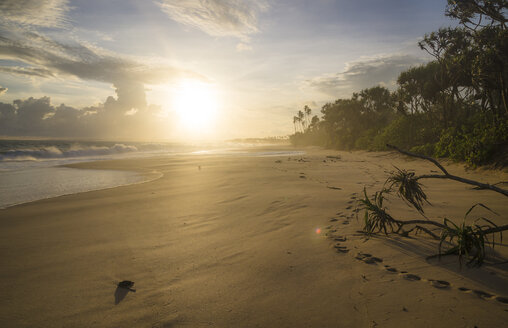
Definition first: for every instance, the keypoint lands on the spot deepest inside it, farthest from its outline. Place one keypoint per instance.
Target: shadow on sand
(121, 292)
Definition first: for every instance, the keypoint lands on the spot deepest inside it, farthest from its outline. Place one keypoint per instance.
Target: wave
(55, 152)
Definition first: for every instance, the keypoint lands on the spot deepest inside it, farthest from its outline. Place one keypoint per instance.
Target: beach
(246, 241)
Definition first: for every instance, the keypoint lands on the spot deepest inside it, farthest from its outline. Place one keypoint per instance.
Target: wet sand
(231, 241)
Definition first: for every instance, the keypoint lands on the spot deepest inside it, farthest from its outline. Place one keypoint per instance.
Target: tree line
(454, 106)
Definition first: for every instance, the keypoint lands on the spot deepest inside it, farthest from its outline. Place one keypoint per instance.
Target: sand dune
(231, 241)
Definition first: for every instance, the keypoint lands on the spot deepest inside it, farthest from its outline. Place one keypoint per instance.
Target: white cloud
(42, 57)
(2, 90)
(364, 73)
(30, 71)
(35, 54)
(45, 13)
(217, 17)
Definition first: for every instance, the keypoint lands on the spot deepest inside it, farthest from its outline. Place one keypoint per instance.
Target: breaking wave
(36, 153)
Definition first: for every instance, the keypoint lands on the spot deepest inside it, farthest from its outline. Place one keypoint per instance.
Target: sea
(31, 170)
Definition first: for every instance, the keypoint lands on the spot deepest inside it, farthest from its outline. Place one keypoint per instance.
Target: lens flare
(318, 231)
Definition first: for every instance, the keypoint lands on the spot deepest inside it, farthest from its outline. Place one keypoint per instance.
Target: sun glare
(196, 105)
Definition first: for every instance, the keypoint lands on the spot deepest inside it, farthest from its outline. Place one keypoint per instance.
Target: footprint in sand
(340, 238)
(411, 277)
(502, 299)
(362, 255)
(340, 248)
(440, 284)
(368, 258)
(349, 207)
(333, 219)
(482, 294)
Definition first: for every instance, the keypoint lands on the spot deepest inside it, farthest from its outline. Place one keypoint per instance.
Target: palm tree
(295, 119)
(308, 112)
(300, 118)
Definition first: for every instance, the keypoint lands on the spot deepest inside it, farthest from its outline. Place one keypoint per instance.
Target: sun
(196, 105)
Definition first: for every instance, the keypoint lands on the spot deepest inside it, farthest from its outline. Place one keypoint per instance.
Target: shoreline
(142, 177)
(231, 241)
(101, 165)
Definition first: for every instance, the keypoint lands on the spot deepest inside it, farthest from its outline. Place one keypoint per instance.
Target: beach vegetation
(376, 218)
(468, 241)
(455, 105)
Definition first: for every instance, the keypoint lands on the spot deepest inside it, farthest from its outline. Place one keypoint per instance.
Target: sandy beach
(246, 241)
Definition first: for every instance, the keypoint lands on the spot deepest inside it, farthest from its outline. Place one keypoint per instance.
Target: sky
(196, 69)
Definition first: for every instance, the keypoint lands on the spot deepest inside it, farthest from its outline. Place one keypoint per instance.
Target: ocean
(32, 169)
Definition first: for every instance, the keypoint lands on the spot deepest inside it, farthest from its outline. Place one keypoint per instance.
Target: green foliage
(427, 149)
(455, 105)
(376, 219)
(467, 240)
(366, 140)
(476, 145)
(408, 188)
(406, 131)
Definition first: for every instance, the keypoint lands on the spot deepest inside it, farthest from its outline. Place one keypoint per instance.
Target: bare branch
(448, 175)
(496, 229)
(418, 156)
(434, 223)
(418, 224)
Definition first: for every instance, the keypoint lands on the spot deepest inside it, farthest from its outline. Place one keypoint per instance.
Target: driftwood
(465, 240)
(418, 224)
(447, 175)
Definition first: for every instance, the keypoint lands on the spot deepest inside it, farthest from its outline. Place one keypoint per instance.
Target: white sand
(234, 245)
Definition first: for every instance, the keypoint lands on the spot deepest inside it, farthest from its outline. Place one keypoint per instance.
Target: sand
(234, 243)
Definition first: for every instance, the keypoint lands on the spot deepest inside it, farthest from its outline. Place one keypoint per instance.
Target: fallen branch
(418, 228)
(495, 229)
(434, 223)
(447, 175)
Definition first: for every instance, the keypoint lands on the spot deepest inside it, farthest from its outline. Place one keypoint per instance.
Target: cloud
(76, 58)
(44, 57)
(30, 71)
(235, 18)
(368, 72)
(39, 118)
(45, 13)
(41, 56)
(27, 51)
(2, 90)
